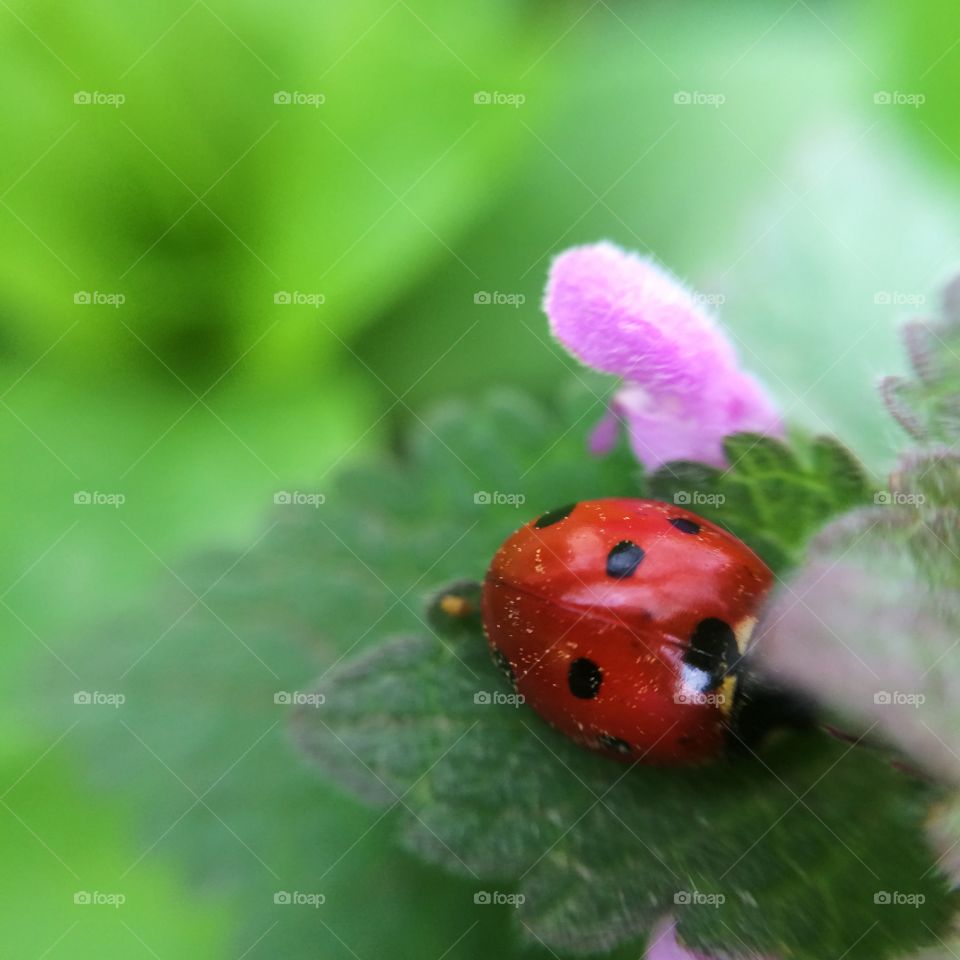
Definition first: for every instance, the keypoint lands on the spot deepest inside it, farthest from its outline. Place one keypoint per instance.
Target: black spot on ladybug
(554, 516)
(614, 743)
(713, 648)
(684, 525)
(623, 559)
(503, 665)
(584, 678)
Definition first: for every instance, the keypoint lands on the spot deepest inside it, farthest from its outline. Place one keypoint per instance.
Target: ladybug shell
(621, 623)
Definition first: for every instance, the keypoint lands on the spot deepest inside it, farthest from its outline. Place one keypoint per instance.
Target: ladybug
(623, 622)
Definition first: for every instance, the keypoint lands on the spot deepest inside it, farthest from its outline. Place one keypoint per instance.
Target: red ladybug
(621, 622)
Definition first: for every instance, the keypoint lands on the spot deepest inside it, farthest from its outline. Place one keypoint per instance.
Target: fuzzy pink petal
(603, 437)
(663, 944)
(684, 391)
(624, 314)
(691, 426)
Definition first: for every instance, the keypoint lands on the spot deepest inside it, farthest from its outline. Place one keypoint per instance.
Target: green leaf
(927, 405)
(774, 495)
(327, 582)
(868, 627)
(318, 584)
(928, 477)
(600, 850)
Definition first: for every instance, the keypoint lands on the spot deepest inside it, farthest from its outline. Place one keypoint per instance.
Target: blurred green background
(244, 243)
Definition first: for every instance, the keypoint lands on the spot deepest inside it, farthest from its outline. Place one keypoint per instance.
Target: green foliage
(65, 839)
(757, 846)
(324, 583)
(82, 195)
(199, 197)
(773, 495)
(320, 583)
(883, 581)
(868, 624)
(929, 478)
(799, 251)
(927, 405)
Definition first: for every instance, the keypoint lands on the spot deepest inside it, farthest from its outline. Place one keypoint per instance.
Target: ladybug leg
(503, 665)
(456, 607)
